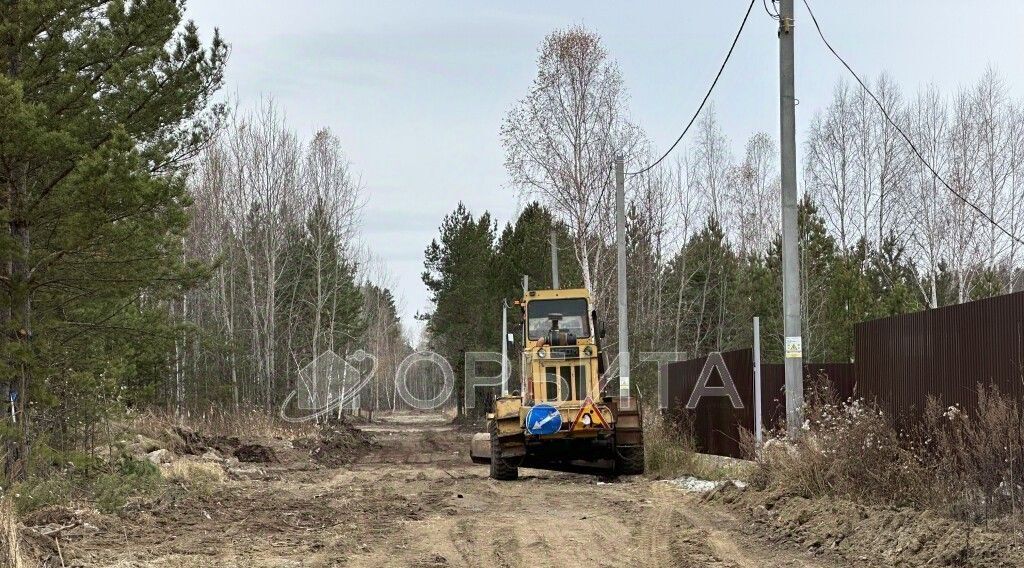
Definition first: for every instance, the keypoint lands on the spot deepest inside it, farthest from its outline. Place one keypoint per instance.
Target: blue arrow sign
(543, 419)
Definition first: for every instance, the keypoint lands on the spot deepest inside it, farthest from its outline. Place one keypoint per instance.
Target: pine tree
(759, 294)
(320, 282)
(524, 249)
(460, 274)
(707, 267)
(101, 105)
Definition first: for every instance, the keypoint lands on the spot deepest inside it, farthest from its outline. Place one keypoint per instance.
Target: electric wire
(903, 134)
(707, 95)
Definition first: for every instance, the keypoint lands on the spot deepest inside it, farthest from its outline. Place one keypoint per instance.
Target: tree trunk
(21, 300)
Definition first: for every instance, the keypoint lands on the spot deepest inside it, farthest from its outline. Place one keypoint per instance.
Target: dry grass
(849, 450)
(10, 539)
(192, 472)
(976, 456)
(249, 423)
(198, 477)
(670, 452)
(963, 464)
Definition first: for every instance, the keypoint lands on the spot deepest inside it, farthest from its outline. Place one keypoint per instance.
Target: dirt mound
(189, 442)
(339, 442)
(51, 514)
(186, 441)
(860, 534)
(254, 453)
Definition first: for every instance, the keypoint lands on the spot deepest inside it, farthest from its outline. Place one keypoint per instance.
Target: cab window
(573, 311)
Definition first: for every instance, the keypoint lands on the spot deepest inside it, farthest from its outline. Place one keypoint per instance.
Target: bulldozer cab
(560, 351)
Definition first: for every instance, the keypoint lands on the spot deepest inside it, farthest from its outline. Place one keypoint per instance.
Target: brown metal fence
(900, 362)
(716, 424)
(945, 353)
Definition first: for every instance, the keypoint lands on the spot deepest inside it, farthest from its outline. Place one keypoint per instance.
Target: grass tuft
(10, 537)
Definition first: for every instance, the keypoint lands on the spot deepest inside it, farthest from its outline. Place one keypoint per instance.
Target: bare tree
(560, 140)
(865, 124)
(998, 140)
(690, 207)
(711, 163)
(278, 220)
(335, 202)
(893, 160)
(964, 222)
(829, 165)
(264, 188)
(925, 203)
(754, 199)
(1014, 200)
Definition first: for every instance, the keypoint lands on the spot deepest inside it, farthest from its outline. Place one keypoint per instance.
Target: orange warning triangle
(596, 419)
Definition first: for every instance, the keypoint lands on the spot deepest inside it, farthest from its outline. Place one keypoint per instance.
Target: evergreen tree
(894, 280)
(707, 267)
(101, 105)
(759, 293)
(460, 274)
(321, 283)
(524, 249)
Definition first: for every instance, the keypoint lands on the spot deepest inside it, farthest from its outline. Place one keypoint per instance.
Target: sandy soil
(416, 500)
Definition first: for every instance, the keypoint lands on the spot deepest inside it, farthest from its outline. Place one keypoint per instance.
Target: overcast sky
(417, 90)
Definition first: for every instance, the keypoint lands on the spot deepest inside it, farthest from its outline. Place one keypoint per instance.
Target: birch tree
(561, 139)
(963, 223)
(711, 163)
(829, 166)
(925, 203)
(998, 140)
(754, 198)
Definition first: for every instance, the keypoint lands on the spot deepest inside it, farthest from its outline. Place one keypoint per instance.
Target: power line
(910, 143)
(706, 95)
(773, 12)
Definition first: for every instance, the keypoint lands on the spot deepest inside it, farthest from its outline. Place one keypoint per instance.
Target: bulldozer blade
(480, 448)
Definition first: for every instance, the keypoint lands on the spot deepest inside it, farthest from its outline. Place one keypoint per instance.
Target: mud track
(416, 500)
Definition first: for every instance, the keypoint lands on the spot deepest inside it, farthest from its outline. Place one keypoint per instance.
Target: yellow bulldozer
(560, 419)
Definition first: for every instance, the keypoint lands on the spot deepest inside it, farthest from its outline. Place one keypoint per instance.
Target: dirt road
(416, 500)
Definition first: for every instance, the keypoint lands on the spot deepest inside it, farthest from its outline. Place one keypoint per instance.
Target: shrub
(129, 478)
(35, 493)
(110, 485)
(976, 457)
(967, 465)
(848, 449)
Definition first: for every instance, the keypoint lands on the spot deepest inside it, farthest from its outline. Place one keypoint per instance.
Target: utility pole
(620, 245)
(554, 259)
(757, 383)
(790, 231)
(504, 348)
